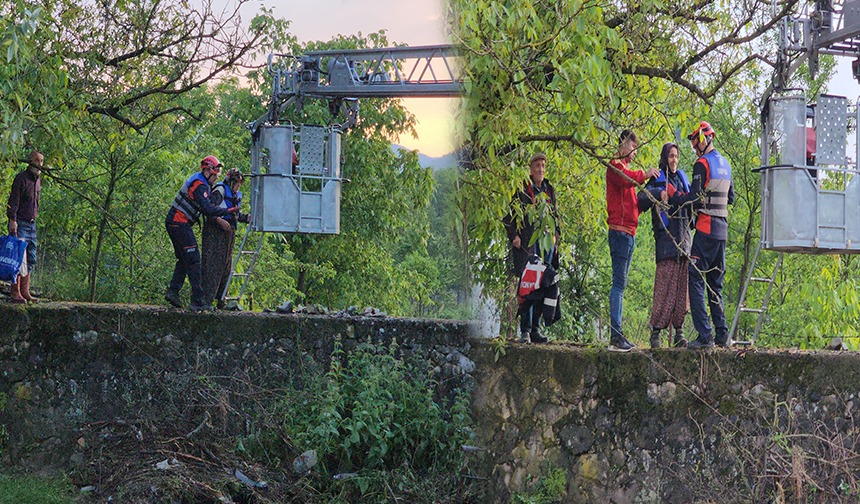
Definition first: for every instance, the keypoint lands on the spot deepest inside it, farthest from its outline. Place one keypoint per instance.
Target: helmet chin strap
(707, 144)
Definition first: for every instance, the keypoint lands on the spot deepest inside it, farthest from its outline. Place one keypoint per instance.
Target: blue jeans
(27, 232)
(708, 256)
(621, 247)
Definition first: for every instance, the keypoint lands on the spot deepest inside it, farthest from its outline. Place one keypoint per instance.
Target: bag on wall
(12, 252)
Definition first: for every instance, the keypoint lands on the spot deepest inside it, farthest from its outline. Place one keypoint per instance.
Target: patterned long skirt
(671, 302)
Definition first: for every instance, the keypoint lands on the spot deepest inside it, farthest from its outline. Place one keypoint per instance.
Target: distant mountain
(434, 163)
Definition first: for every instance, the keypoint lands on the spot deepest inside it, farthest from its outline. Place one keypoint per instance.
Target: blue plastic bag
(12, 252)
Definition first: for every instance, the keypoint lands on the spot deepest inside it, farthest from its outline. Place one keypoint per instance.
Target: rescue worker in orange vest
(190, 203)
(711, 192)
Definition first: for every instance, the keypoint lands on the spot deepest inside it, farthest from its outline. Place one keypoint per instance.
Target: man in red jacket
(623, 210)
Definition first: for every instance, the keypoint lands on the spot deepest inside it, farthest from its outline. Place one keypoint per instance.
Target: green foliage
(33, 81)
(499, 345)
(272, 282)
(541, 214)
(550, 486)
(35, 490)
(376, 427)
(834, 307)
(375, 412)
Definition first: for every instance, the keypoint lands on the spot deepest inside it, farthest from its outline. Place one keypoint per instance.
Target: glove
(243, 218)
(670, 189)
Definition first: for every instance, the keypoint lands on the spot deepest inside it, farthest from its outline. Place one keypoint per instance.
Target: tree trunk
(102, 227)
(300, 281)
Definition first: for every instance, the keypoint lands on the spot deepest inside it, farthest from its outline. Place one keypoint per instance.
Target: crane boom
(424, 71)
(344, 76)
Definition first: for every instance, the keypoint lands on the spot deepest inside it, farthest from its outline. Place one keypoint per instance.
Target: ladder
(248, 255)
(759, 311)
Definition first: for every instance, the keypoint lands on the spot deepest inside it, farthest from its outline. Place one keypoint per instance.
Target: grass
(35, 490)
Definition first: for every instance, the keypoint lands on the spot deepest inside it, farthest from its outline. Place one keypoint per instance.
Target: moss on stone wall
(649, 426)
(671, 425)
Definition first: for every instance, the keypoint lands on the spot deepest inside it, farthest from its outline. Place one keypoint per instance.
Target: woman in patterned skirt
(672, 242)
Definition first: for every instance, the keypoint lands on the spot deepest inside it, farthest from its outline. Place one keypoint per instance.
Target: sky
(413, 22)
(843, 84)
(420, 22)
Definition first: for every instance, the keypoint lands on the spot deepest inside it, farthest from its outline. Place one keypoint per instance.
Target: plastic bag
(12, 252)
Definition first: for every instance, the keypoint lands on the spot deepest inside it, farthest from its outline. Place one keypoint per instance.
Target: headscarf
(664, 155)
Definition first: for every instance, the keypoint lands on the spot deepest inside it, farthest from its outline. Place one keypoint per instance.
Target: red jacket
(621, 202)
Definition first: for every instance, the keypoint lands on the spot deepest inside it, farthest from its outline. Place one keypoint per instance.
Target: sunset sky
(413, 22)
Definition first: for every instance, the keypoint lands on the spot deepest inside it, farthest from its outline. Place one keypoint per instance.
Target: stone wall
(77, 375)
(643, 427)
(671, 425)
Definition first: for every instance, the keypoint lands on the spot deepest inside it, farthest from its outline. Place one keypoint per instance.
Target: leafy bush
(373, 418)
(377, 412)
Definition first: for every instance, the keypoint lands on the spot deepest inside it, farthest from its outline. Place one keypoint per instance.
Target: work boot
(655, 337)
(525, 337)
(25, 288)
(679, 342)
(618, 343)
(173, 298)
(723, 341)
(200, 307)
(15, 296)
(537, 337)
(701, 343)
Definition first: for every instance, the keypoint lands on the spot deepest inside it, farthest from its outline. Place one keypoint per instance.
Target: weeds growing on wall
(549, 487)
(785, 455)
(370, 427)
(376, 427)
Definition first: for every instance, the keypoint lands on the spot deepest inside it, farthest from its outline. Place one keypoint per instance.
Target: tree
(34, 84)
(130, 72)
(565, 78)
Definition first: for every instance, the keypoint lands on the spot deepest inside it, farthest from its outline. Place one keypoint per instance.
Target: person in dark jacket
(190, 203)
(21, 210)
(521, 231)
(711, 193)
(672, 240)
(218, 242)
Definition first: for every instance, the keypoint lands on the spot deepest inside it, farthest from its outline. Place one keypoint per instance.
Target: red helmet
(211, 162)
(703, 130)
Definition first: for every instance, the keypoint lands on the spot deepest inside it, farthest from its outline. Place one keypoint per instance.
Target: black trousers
(187, 260)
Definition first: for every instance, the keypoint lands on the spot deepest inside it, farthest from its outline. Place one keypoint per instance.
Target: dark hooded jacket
(525, 229)
(672, 238)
